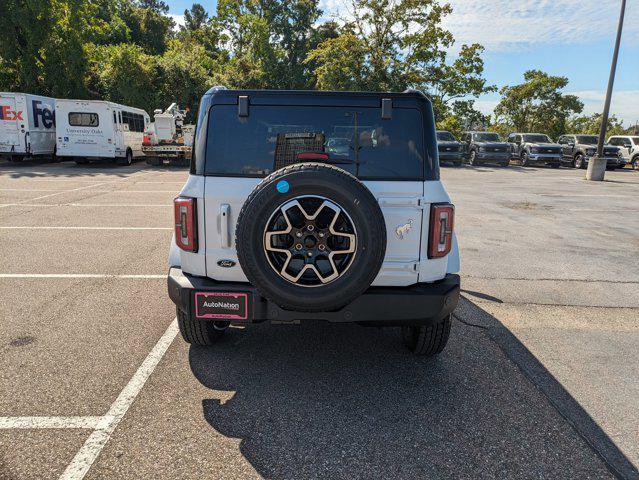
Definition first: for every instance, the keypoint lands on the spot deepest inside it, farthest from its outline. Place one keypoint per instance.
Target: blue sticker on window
(283, 186)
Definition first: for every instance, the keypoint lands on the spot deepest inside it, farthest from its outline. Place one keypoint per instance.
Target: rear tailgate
(11, 136)
(91, 136)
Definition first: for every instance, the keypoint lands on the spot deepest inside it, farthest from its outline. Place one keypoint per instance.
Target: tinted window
(356, 139)
(537, 138)
(445, 137)
(587, 139)
(77, 119)
(487, 137)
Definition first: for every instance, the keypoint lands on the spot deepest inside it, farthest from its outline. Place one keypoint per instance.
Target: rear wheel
(635, 163)
(127, 160)
(524, 159)
(427, 340)
(200, 332)
(579, 161)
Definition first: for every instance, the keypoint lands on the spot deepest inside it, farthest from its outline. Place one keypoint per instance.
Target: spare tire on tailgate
(311, 237)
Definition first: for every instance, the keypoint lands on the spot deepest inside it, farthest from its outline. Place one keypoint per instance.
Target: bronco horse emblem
(402, 230)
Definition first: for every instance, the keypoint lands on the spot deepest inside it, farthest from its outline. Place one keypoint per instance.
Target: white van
(27, 125)
(95, 129)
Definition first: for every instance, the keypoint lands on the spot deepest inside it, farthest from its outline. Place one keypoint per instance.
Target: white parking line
(176, 191)
(74, 190)
(77, 275)
(85, 228)
(92, 447)
(86, 205)
(49, 422)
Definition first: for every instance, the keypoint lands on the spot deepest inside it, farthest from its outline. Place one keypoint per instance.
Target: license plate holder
(232, 306)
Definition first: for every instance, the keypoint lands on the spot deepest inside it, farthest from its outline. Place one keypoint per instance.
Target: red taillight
(146, 140)
(185, 223)
(440, 239)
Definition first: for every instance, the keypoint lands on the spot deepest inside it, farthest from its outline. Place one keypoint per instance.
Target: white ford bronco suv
(315, 206)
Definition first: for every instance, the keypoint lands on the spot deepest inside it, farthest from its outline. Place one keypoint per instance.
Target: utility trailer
(168, 139)
(27, 126)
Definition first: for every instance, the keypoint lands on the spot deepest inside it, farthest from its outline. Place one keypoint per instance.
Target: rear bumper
(421, 304)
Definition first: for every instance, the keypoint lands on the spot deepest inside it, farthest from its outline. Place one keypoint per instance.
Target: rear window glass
(77, 119)
(355, 139)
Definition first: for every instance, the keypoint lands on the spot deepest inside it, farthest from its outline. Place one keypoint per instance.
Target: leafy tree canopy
(537, 104)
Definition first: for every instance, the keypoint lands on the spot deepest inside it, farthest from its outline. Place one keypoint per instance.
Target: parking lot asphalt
(540, 378)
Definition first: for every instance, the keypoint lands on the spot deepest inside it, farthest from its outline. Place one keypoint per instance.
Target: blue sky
(573, 38)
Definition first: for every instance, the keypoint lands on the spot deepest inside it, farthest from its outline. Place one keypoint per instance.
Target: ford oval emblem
(226, 263)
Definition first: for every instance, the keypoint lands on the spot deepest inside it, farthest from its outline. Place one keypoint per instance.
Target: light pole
(597, 165)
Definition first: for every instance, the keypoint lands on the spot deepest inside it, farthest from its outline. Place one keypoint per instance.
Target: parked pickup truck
(449, 148)
(629, 147)
(279, 222)
(535, 149)
(485, 147)
(579, 149)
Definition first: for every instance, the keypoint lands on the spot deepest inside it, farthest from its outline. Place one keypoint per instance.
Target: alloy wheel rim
(310, 241)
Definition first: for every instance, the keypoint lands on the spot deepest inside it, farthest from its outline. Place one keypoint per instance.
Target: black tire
(200, 332)
(81, 161)
(635, 163)
(579, 161)
(336, 185)
(524, 159)
(555, 165)
(427, 340)
(127, 160)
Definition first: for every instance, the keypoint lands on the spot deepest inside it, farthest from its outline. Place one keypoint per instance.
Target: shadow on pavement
(336, 401)
(42, 168)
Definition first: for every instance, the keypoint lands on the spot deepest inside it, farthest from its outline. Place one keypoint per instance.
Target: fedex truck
(95, 129)
(27, 126)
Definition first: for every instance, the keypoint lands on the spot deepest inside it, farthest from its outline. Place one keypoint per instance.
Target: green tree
(124, 74)
(149, 29)
(537, 104)
(388, 45)
(184, 75)
(157, 6)
(195, 18)
(44, 53)
(591, 124)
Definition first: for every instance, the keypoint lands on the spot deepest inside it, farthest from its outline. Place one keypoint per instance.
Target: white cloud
(502, 25)
(505, 25)
(624, 103)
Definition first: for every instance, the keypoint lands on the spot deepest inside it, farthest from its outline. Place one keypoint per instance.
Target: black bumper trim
(422, 303)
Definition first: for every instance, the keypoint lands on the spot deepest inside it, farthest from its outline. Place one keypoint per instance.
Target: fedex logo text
(44, 115)
(7, 114)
